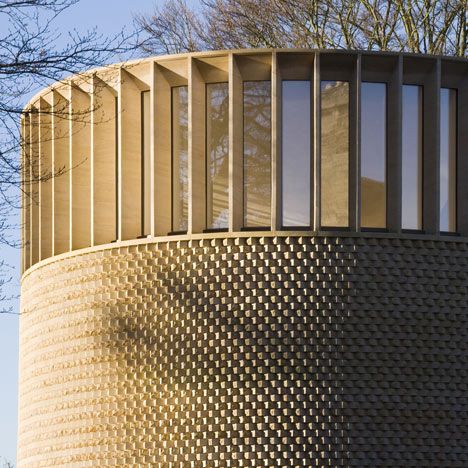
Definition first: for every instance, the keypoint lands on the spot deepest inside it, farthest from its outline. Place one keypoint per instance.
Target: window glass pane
(448, 141)
(296, 153)
(412, 157)
(179, 158)
(373, 155)
(257, 153)
(145, 162)
(217, 152)
(334, 164)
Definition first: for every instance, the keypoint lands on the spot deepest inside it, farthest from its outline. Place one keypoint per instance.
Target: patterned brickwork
(247, 352)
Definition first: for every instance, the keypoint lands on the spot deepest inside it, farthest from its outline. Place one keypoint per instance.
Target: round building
(249, 258)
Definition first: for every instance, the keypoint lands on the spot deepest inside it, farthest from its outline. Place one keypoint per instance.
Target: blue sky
(109, 16)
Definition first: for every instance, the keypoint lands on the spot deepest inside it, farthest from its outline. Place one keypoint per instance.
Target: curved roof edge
(214, 53)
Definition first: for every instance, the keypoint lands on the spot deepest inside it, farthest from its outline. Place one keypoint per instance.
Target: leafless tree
(6, 464)
(429, 26)
(31, 58)
(174, 28)
(434, 27)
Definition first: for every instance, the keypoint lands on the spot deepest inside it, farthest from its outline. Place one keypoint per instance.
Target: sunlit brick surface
(243, 352)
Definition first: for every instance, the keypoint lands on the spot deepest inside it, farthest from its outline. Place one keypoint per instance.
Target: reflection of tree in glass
(257, 153)
(334, 153)
(180, 158)
(218, 155)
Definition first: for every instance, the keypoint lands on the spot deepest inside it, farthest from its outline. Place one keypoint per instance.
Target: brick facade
(247, 351)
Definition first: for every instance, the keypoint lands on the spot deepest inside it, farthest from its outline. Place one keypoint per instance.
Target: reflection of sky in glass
(448, 122)
(412, 157)
(373, 154)
(373, 131)
(217, 147)
(179, 158)
(296, 153)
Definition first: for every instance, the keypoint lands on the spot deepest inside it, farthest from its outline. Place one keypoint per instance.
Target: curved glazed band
(90, 128)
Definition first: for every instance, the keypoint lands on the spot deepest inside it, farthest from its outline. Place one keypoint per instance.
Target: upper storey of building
(247, 140)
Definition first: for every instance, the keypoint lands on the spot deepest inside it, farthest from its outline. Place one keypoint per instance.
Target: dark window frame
(324, 227)
(207, 165)
(361, 227)
(244, 211)
(175, 231)
(308, 227)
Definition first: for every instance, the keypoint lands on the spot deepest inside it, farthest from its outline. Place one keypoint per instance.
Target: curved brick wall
(257, 351)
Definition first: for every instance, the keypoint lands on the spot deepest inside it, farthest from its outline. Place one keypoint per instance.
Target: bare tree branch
(31, 58)
(431, 26)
